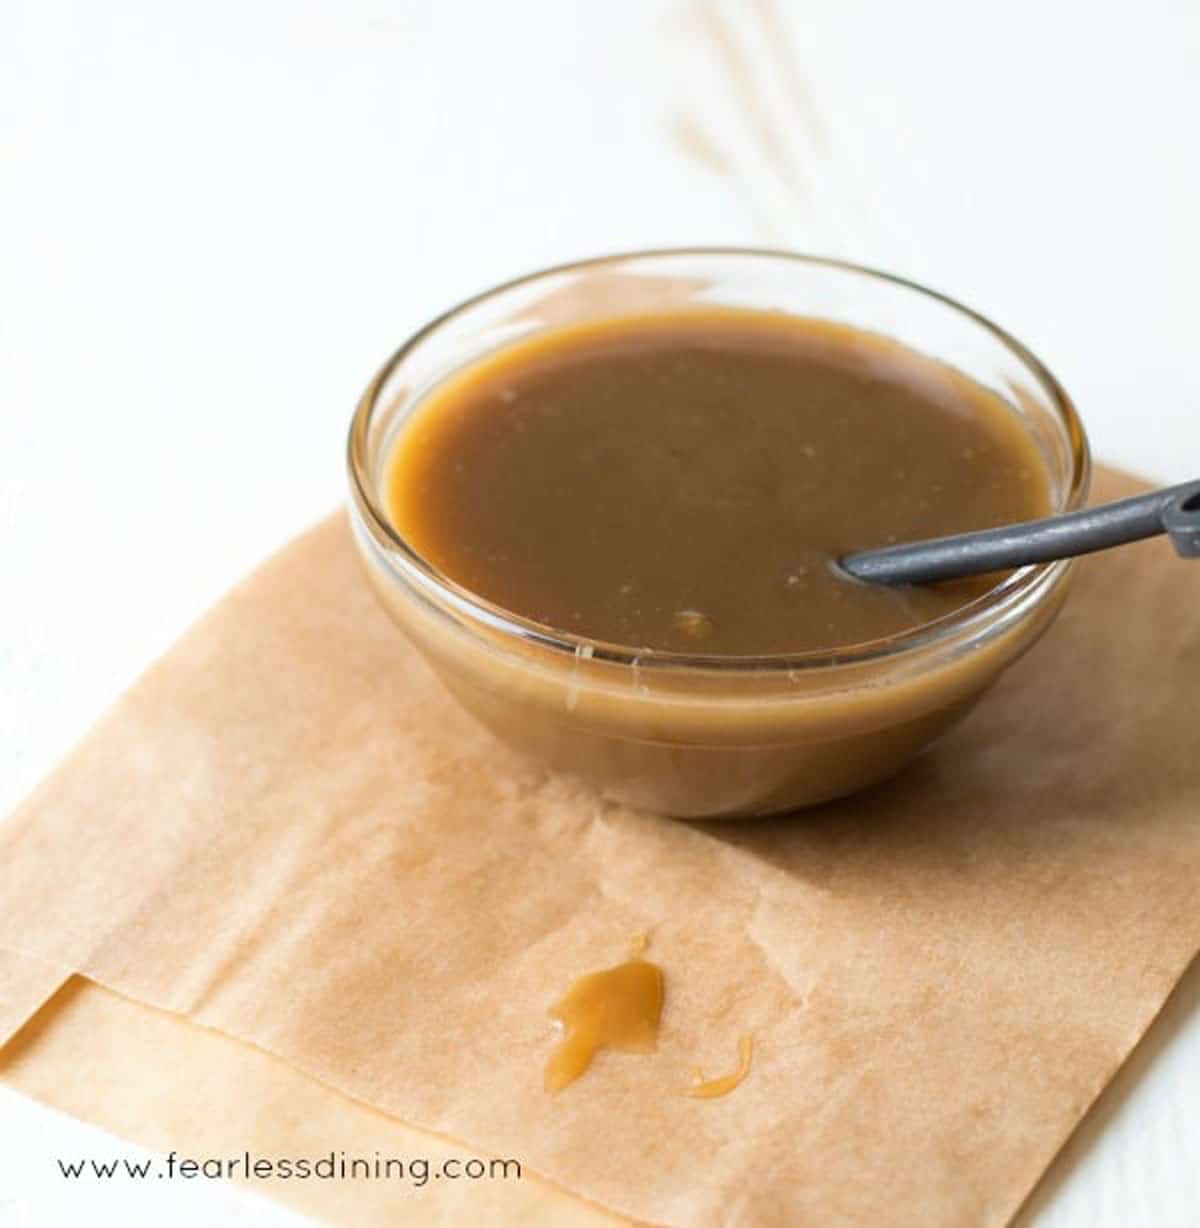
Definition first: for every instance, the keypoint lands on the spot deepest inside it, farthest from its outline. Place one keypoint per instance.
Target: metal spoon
(1174, 510)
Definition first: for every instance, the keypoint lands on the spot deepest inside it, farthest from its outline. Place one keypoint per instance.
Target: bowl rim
(1014, 594)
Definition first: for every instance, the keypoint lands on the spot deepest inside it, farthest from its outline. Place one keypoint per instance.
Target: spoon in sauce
(1174, 510)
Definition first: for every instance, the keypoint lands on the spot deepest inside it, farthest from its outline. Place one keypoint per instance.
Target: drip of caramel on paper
(710, 1089)
(616, 1008)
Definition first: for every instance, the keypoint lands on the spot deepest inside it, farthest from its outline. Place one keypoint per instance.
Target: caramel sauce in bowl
(713, 704)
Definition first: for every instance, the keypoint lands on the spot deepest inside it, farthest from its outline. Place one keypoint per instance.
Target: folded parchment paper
(166, 1083)
(287, 832)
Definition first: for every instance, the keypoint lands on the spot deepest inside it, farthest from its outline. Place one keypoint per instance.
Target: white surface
(216, 220)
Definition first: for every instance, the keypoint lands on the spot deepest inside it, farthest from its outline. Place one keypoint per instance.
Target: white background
(217, 219)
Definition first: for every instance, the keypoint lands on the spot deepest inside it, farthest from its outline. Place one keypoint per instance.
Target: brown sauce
(710, 1089)
(620, 1008)
(617, 1008)
(686, 482)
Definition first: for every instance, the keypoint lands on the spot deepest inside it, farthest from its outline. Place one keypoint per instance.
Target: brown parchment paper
(167, 1083)
(287, 832)
(25, 984)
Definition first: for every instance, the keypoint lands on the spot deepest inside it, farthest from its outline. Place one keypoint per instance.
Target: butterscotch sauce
(617, 1008)
(710, 1089)
(687, 481)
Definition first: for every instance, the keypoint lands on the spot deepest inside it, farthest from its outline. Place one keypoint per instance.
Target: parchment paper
(287, 832)
(166, 1083)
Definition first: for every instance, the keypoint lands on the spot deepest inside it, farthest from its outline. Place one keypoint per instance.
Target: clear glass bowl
(694, 735)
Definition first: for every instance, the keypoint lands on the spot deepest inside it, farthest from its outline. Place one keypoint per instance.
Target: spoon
(1174, 510)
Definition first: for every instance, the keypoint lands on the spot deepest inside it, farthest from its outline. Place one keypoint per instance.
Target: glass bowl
(691, 735)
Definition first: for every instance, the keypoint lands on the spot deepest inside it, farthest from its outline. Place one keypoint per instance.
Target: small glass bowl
(699, 736)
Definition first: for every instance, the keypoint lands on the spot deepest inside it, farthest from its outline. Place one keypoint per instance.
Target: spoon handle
(1174, 510)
